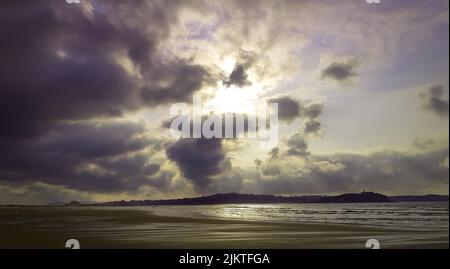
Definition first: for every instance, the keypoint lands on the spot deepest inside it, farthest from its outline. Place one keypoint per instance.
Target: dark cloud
(163, 181)
(91, 157)
(199, 159)
(237, 77)
(340, 71)
(434, 101)
(312, 127)
(184, 79)
(312, 111)
(297, 146)
(66, 68)
(61, 63)
(288, 108)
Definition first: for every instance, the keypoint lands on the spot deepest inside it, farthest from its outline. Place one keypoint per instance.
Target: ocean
(425, 215)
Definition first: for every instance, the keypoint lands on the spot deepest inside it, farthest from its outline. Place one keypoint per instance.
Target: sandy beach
(98, 227)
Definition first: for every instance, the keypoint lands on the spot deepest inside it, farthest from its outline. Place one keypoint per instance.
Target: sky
(86, 90)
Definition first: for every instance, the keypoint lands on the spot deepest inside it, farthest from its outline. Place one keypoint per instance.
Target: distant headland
(237, 198)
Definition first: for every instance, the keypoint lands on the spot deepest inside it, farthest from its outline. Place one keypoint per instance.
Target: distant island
(363, 197)
(237, 198)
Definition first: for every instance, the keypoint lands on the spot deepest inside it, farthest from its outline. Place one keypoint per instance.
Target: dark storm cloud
(185, 80)
(63, 67)
(60, 63)
(237, 77)
(82, 156)
(199, 159)
(434, 100)
(340, 71)
(288, 108)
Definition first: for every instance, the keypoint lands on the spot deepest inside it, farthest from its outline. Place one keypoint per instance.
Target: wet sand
(98, 227)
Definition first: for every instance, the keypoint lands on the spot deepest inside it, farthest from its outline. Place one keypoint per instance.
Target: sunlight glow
(234, 99)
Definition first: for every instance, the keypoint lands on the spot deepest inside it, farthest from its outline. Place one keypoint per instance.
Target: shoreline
(50, 227)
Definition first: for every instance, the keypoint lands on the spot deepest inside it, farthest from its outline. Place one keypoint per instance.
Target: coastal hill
(236, 198)
(419, 198)
(226, 198)
(363, 197)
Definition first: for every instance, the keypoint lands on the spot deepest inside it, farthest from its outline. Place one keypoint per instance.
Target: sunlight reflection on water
(433, 215)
